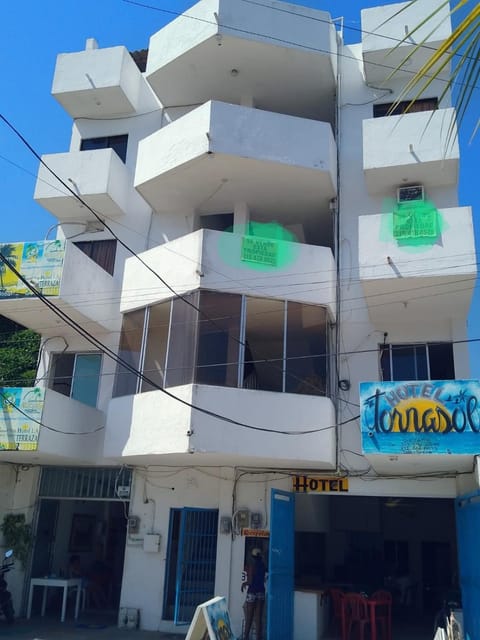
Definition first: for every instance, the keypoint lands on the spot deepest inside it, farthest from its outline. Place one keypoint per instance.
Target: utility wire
(289, 42)
(113, 356)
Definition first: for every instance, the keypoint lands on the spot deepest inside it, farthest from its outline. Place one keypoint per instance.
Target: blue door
(468, 527)
(280, 566)
(191, 562)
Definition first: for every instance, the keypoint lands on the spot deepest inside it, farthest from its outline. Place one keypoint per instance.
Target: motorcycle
(6, 605)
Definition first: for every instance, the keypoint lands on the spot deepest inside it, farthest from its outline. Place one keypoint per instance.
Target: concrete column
(241, 215)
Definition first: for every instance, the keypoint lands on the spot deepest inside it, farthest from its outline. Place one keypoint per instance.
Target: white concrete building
(246, 227)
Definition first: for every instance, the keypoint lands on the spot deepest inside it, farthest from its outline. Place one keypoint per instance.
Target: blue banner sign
(421, 417)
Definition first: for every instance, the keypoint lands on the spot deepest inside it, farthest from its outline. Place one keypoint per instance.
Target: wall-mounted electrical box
(133, 524)
(151, 542)
(225, 524)
(123, 491)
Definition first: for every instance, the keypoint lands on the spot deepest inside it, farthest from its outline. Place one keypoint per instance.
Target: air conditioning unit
(412, 192)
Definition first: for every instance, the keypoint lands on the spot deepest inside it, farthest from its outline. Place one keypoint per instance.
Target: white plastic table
(66, 583)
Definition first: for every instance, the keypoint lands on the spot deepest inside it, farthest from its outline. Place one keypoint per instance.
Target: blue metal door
(468, 526)
(191, 562)
(280, 566)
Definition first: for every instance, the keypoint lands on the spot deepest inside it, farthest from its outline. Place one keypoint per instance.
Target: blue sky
(34, 32)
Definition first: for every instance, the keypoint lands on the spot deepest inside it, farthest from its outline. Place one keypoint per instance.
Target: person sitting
(91, 582)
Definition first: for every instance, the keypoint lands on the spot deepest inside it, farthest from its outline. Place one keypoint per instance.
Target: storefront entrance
(359, 543)
(81, 526)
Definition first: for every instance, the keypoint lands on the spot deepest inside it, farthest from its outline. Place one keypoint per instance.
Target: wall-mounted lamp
(344, 385)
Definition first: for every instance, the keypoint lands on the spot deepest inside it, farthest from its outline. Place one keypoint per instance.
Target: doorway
(405, 545)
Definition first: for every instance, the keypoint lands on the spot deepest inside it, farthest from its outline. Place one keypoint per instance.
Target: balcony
(97, 83)
(382, 31)
(418, 427)
(62, 272)
(23, 440)
(134, 431)
(99, 177)
(408, 278)
(220, 154)
(213, 260)
(231, 51)
(413, 148)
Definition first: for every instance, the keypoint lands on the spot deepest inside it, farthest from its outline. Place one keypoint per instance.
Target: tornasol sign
(421, 417)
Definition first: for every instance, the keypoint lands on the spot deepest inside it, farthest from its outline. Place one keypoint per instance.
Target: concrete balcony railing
(220, 154)
(413, 148)
(213, 260)
(97, 82)
(45, 443)
(99, 177)
(233, 51)
(153, 426)
(61, 271)
(384, 27)
(435, 274)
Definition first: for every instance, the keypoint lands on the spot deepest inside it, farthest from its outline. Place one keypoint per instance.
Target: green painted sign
(259, 250)
(415, 219)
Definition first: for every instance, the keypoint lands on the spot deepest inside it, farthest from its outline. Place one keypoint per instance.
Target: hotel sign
(314, 484)
(40, 263)
(20, 414)
(429, 417)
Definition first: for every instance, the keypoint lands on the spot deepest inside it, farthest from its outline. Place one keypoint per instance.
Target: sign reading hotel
(314, 484)
(20, 413)
(41, 263)
(430, 417)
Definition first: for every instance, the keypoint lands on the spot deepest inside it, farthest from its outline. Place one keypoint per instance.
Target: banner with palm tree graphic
(41, 263)
(21, 411)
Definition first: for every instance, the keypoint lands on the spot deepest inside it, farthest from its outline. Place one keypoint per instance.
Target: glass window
(417, 361)
(218, 339)
(423, 104)
(283, 347)
(156, 345)
(306, 349)
(129, 350)
(217, 222)
(100, 251)
(117, 143)
(265, 321)
(76, 375)
(183, 337)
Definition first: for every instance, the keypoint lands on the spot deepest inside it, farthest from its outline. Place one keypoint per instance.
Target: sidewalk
(38, 628)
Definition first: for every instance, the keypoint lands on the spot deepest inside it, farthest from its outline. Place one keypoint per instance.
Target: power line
(46, 426)
(112, 355)
(289, 42)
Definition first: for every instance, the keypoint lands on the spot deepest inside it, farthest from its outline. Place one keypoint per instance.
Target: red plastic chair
(338, 620)
(382, 601)
(357, 615)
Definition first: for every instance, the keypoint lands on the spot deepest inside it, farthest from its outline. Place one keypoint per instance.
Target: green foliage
(18, 536)
(18, 355)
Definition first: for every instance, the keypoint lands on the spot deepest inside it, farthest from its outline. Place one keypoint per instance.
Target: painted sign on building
(41, 263)
(421, 417)
(21, 413)
(315, 484)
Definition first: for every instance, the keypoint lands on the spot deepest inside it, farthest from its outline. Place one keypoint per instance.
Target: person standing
(255, 600)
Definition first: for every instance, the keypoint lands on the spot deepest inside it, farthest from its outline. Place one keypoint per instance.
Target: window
(216, 222)
(228, 340)
(424, 104)
(430, 361)
(117, 143)
(76, 375)
(100, 251)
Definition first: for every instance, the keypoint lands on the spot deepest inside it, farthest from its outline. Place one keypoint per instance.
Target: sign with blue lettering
(421, 417)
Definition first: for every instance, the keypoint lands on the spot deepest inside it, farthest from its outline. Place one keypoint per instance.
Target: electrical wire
(288, 42)
(113, 356)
